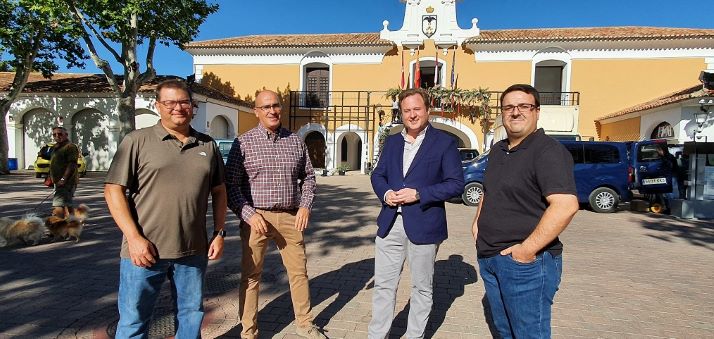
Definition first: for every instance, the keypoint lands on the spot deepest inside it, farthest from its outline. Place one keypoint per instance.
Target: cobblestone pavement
(626, 275)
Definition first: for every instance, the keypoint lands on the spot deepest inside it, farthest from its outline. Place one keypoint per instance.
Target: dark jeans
(521, 295)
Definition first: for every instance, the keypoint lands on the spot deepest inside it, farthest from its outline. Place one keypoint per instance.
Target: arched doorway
(662, 131)
(145, 118)
(90, 132)
(349, 150)
(315, 142)
(462, 140)
(219, 128)
(37, 130)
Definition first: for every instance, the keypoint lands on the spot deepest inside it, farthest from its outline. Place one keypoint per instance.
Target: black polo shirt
(516, 183)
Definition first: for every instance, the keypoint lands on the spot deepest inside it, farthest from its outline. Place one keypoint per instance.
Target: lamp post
(700, 118)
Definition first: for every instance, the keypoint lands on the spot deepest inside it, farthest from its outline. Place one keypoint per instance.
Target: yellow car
(42, 163)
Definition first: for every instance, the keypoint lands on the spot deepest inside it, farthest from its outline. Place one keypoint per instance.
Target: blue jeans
(521, 295)
(139, 288)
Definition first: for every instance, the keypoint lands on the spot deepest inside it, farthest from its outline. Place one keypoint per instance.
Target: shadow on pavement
(344, 282)
(64, 288)
(450, 277)
(696, 232)
(56, 282)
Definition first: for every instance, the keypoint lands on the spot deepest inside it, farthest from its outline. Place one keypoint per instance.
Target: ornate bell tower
(429, 19)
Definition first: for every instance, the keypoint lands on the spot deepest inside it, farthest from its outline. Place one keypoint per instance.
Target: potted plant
(342, 168)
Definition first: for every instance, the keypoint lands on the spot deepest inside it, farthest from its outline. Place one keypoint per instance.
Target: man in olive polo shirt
(170, 170)
(63, 171)
(529, 199)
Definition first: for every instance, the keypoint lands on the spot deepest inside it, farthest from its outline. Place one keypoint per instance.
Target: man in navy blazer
(418, 170)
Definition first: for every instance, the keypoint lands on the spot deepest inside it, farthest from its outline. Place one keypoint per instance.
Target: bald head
(268, 109)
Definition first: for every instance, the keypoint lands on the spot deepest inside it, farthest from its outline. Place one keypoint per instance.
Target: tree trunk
(127, 100)
(125, 107)
(18, 84)
(4, 108)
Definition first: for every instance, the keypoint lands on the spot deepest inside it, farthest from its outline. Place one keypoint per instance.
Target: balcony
(559, 111)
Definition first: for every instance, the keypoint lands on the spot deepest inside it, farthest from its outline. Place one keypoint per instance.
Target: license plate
(654, 181)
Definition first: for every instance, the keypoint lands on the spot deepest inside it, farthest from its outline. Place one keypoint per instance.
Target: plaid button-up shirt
(268, 171)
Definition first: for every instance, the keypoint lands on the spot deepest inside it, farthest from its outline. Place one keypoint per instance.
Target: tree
(213, 81)
(120, 26)
(35, 34)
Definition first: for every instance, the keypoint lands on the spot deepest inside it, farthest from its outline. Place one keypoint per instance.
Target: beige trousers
(290, 242)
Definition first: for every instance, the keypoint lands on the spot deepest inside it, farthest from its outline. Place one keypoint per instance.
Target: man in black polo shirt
(529, 199)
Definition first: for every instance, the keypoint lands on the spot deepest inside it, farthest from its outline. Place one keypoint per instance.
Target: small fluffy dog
(70, 226)
(28, 230)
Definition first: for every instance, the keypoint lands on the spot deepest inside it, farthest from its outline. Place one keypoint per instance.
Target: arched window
(426, 73)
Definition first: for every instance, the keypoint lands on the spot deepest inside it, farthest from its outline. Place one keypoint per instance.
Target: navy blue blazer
(435, 173)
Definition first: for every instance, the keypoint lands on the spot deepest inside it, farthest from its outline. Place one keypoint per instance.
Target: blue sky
(238, 18)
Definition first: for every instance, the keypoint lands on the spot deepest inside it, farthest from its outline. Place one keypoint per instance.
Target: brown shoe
(310, 332)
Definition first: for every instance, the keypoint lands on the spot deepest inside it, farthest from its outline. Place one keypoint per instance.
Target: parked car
(652, 173)
(224, 146)
(42, 163)
(602, 173)
(473, 179)
(605, 172)
(468, 155)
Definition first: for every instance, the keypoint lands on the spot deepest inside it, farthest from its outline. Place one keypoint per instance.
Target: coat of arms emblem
(428, 25)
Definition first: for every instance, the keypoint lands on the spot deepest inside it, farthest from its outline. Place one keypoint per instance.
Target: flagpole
(436, 65)
(417, 73)
(402, 83)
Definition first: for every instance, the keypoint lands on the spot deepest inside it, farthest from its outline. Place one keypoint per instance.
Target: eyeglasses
(173, 103)
(522, 108)
(57, 134)
(275, 107)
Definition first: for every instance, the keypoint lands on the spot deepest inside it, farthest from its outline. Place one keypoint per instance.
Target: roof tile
(591, 33)
(671, 98)
(294, 40)
(486, 36)
(97, 83)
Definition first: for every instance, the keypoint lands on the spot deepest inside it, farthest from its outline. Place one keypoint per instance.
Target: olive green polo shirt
(62, 157)
(168, 186)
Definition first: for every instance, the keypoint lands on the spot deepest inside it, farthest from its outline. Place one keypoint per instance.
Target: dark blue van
(605, 172)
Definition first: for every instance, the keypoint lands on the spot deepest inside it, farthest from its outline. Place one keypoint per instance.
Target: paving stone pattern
(626, 275)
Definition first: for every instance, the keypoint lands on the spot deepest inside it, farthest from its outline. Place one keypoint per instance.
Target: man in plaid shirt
(271, 185)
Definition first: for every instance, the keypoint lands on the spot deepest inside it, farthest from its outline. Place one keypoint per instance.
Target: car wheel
(604, 200)
(38, 175)
(472, 194)
(82, 174)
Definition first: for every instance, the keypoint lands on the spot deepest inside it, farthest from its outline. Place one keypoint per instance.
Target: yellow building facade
(334, 85)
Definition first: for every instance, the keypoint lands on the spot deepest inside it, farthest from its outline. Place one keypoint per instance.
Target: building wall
(495, 76)
(607, 86)
(101, 138)
(246, 121)
(623, 130)
(247, 79)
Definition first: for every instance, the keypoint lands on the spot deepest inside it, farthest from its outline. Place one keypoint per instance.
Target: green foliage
(169, 22)
(392, 93)
(34, 34)
(212, 80)
(120, 26)
(471, 102)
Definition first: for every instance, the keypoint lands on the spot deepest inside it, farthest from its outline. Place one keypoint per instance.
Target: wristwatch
(417, 195)
(221, 233)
